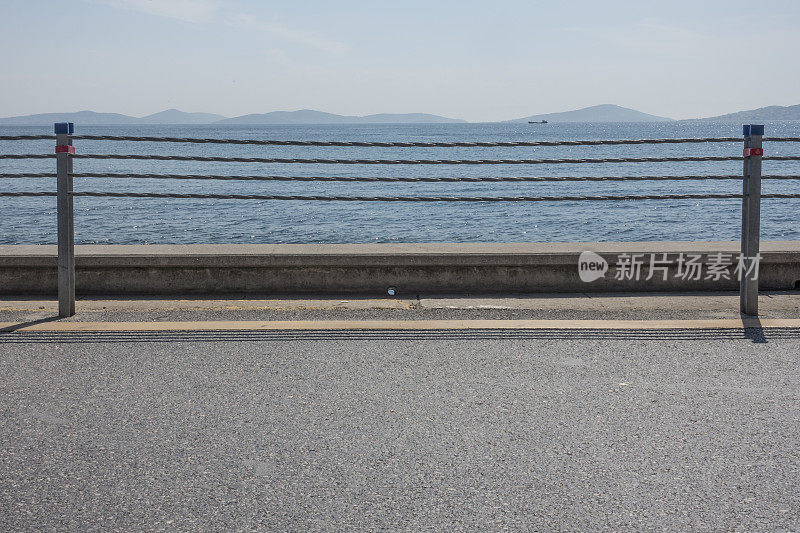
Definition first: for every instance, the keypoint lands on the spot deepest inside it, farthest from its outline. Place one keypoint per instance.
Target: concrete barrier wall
(372, 268)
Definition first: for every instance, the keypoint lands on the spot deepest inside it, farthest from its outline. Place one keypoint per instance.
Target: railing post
(751, 218)
(66, 226)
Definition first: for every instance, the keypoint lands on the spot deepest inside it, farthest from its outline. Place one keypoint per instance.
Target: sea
(193, 221)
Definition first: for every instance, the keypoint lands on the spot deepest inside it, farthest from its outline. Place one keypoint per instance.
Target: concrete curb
(371, 268)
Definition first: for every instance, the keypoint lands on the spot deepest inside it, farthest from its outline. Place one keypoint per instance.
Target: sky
(475, 60)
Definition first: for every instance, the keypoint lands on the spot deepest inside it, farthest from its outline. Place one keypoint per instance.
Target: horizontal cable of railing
(410, 144)
(398, 144)
(401, 198)
(27, 156)
(146, 157)
(399, 179)
(446, 179)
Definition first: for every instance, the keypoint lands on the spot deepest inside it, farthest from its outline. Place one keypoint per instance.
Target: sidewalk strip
(278, 325)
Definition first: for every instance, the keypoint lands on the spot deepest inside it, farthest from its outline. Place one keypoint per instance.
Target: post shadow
(752, 329)
(15, 327)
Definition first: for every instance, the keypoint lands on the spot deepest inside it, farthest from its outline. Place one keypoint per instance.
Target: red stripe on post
(64, 149)
(753, 151)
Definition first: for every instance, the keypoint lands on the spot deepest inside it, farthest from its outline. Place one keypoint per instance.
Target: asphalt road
(335, 431)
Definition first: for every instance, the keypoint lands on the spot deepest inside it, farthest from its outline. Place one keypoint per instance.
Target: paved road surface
(323, 431)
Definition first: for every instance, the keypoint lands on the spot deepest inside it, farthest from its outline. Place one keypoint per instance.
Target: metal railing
(65, 156)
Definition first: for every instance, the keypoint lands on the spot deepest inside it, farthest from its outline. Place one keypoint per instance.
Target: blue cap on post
(65, 127)
(753, 129)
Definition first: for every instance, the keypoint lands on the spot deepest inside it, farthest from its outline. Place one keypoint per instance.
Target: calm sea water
(141, 221)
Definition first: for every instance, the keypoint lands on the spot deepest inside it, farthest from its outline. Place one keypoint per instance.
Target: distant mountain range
(598, 113)
(173, 116)
(773, 112)
(309, 116)
(91, 118)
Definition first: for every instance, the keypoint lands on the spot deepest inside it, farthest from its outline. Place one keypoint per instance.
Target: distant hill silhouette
(309, 116)
(92, 118)
(773, 112)
(409, 118)
(81, 117)
(173, 116)
(597, 113)
(304, 116)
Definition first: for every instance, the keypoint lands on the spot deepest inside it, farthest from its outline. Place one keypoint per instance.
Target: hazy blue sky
(477, 60)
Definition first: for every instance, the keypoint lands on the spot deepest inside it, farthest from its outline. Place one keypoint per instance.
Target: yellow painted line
(278, 325)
